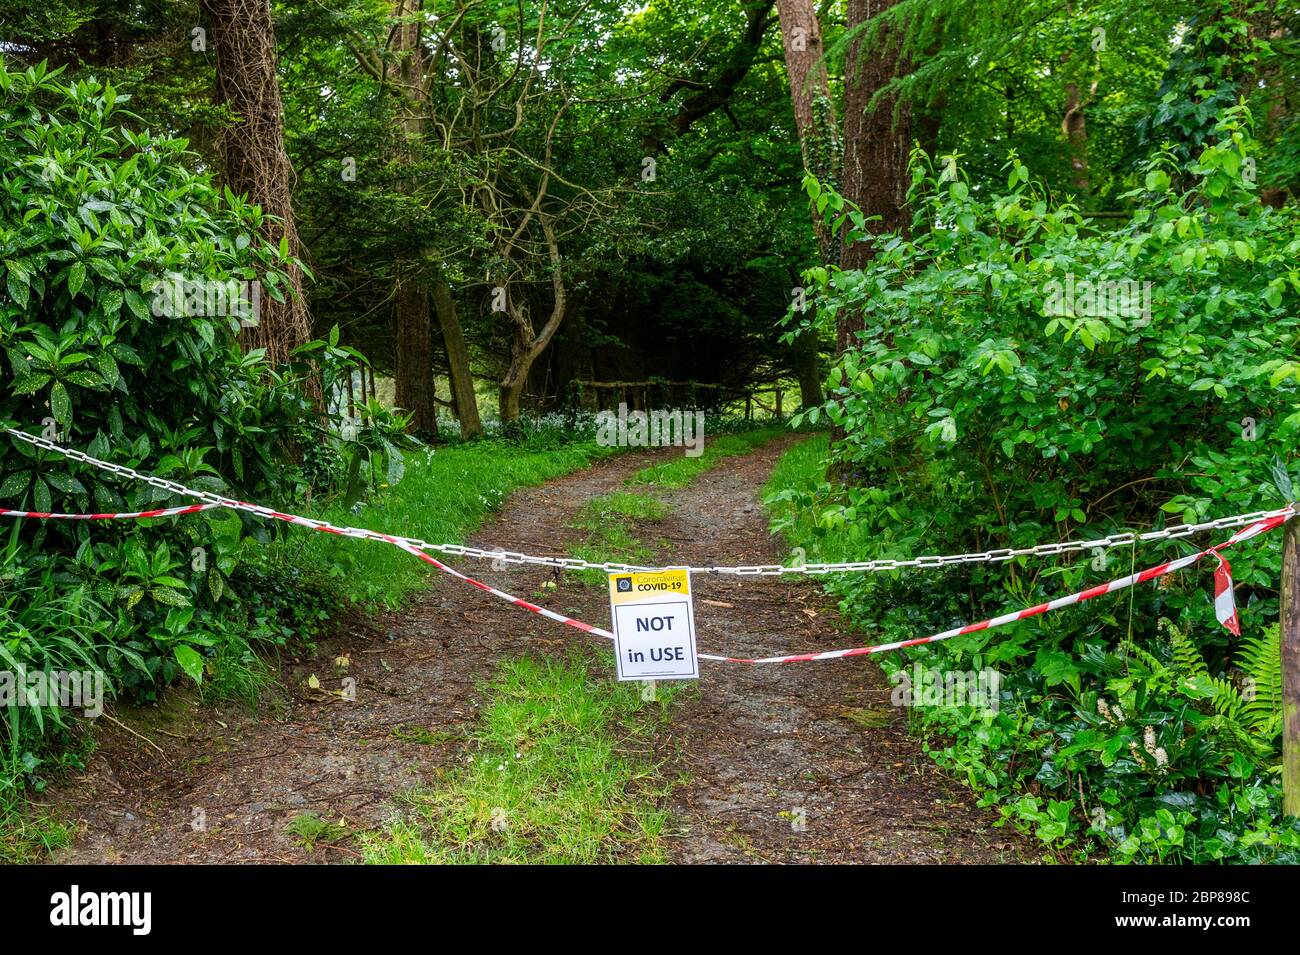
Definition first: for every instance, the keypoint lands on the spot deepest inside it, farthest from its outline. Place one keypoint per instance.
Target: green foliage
(310, 830)
(97, 223)
(444, 495)
(999, 394)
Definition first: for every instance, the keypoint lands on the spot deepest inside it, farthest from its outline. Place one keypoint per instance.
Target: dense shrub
(97, 221)
(990, 401)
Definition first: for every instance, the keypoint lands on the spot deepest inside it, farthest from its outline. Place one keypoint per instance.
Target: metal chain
(1000, 555)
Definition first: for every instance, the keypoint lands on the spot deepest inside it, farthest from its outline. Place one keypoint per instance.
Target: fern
(1187, 662)
(1261, 659)
(1247, 722)
(1148, 659)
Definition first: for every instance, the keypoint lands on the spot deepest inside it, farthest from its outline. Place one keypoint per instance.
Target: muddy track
(776, 762)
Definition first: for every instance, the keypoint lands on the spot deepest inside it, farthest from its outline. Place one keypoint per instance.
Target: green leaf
(14, 484)
(76, 277)
(137, 304)
(41, 496)
(84, 379)
(168, 596)
(189, 660)
(30, 384)
(60, 403)
(216, 584)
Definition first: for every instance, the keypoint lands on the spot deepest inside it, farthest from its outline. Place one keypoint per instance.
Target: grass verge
(444, 497)
(26, 836)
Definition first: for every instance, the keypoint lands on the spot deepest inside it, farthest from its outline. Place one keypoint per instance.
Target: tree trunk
(412, 333)
(814, 110)
(1264, 25)
(819, 145)
(1075, 130)
(508, 400)
(875, 144)
(525, 344)
(807, 370)
(413, 353)
(462, 382)
(252, 151)
(1290, 640)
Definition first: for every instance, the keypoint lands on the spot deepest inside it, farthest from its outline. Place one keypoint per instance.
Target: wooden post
(1290, 633)
(778, 404)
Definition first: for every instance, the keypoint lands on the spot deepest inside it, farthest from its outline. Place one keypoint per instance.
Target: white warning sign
(654, 625)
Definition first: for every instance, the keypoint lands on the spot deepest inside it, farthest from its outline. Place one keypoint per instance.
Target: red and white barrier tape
(360, 533)
(501, 556)
(122, 516)
(1224, 604)
(1225, 607)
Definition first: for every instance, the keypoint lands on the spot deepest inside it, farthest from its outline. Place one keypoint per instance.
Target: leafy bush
(1017, 381)
(98, 223)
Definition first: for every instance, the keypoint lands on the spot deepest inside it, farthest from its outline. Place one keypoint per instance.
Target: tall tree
(877, 134)
(453, 339)
(412, 334)
(814, 109)
(254, 159)
(819, 145)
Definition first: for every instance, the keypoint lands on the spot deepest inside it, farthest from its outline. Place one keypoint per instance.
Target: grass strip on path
(679, 472)
(557, 773)
(607, 519)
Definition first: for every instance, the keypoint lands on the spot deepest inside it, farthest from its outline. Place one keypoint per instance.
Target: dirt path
(805, 762)
(778, 763)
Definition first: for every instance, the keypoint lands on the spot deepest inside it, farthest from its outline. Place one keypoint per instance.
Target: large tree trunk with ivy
(819, 145)
(814, 110)
(876, 142)
(253, 154)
